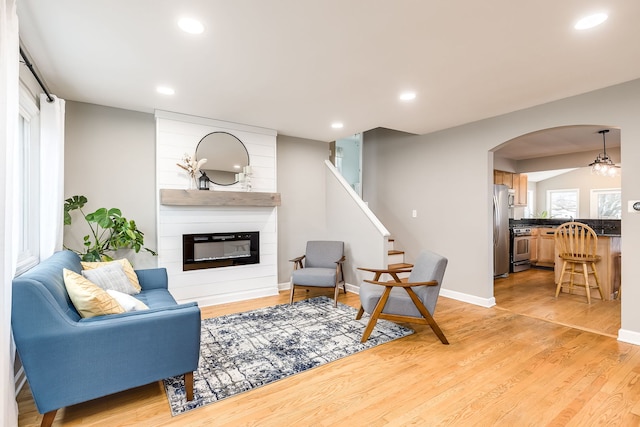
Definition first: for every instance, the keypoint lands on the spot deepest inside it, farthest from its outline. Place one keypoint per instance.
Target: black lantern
(203, 181)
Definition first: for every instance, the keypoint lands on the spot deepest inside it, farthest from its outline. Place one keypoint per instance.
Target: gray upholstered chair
(410, 300)
(322, 267)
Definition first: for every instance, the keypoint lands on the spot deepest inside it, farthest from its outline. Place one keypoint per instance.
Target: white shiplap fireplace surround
(177, 134)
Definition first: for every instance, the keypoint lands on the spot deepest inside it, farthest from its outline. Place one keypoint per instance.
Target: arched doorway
(557, 160)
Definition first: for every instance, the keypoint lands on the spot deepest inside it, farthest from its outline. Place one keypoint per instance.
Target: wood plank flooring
(532, 293)
(502, 368)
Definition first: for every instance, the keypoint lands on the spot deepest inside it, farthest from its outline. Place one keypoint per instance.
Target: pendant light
(603, 165)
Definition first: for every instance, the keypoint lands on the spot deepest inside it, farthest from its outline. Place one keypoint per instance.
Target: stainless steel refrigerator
(500, 230)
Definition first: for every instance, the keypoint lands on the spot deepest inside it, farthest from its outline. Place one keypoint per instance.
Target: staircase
(396, 259)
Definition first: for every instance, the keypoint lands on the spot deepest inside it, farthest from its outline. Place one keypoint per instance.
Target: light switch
(414, 213)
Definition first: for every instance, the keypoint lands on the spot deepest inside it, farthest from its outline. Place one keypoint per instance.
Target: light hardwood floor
(532, 293)
(502, 368)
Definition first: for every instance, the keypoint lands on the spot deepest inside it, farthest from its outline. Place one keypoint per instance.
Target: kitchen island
(609, 245)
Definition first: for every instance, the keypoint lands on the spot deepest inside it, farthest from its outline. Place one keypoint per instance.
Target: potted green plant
(109, 231)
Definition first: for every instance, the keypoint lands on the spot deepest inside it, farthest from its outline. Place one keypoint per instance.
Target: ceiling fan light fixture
(603, 165)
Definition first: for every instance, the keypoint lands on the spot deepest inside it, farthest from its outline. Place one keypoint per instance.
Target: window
(530, 209)
(563, 203)
(606, 203)
(27, 183)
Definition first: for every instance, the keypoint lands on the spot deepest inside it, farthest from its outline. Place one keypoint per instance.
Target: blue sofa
(68, 359)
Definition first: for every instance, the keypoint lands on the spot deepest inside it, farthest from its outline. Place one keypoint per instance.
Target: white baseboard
(459, 296)
(233, 297)
(471, 299)
(631, 337)
(284, 286)
(287, 285)
(350, 288)
(19, 380)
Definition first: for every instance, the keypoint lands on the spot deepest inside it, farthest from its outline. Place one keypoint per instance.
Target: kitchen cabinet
(516, 182)
(502, 177)
(607, 267)
(520, 186)
(546, 245)
(533, 246)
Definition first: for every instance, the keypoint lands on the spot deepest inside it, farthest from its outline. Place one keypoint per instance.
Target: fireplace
(213, 250)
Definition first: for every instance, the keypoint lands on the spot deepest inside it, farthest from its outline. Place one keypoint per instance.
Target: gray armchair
(410, 300)
(322, 267)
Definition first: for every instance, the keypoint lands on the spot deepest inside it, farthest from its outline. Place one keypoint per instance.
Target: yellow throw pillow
(126, 265)
(89, 299)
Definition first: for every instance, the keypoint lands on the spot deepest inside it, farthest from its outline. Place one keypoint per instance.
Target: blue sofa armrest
(96, 358)
(153, 278)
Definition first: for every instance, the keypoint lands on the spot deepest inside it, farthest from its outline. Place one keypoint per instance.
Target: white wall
(453, 196)
(583, 180)
(177, 134)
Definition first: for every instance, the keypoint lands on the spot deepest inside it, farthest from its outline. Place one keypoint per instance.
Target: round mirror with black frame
(226, 156)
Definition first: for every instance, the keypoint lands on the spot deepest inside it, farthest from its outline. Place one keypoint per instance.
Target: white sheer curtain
(51, 174)
(9, 131)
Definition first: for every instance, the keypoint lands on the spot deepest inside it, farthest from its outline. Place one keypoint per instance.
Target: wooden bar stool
(577, 245)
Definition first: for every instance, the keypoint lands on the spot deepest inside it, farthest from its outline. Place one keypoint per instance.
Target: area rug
(243, 351)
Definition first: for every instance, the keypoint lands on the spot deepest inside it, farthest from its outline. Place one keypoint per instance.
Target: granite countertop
(602, 227)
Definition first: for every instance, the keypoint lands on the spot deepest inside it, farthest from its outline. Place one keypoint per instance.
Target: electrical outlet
(634, 206)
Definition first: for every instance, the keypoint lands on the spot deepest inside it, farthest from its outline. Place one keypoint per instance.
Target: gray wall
(453, 195)
(110, 158)
(301, 183)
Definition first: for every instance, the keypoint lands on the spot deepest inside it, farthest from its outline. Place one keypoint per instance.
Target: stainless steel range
(520, 244)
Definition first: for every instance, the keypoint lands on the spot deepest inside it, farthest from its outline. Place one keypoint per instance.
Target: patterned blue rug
(242, 351)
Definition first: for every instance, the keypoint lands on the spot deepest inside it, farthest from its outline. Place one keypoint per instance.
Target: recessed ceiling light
(191, 26)
(590, 21)
(337, 125)
(165, 90)
(407, 96)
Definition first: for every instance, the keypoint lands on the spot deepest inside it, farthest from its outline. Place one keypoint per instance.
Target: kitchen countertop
(602, 227)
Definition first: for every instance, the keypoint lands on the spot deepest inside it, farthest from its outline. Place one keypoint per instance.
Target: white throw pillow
(127, 302)
(111, 276)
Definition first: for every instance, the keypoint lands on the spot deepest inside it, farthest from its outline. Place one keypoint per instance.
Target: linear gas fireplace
(213, 250)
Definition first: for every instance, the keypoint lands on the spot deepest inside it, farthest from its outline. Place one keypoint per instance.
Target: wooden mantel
(174, 197)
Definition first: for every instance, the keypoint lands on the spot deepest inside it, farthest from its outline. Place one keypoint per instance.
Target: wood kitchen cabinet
(515, 181)
(533, 246)
(502, 177)
(607, 267)
(520, 185)
(546, 247)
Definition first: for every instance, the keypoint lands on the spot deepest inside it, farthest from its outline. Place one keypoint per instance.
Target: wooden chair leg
(564, 264)
(360, 313)
(595, 274)
(585, 273)
(47, 419)
(188, 385)
(291, 293)
(376, 312)
(428, 317)
(335, 295)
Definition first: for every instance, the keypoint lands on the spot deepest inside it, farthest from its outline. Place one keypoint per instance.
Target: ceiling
(297, 66)
(560, 140)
